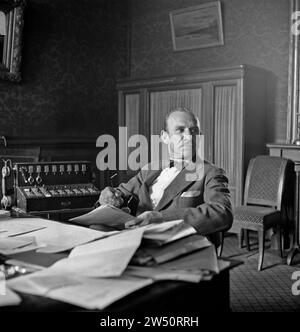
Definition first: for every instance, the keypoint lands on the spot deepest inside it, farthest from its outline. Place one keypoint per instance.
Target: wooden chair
(263, 198)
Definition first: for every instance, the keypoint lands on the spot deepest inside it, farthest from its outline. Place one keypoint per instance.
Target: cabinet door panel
(132, 112)
(225, 134)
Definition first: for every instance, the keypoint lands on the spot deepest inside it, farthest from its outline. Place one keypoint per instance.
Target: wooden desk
(163, 297)
(292, 152)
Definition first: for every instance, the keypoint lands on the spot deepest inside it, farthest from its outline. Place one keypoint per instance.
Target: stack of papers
(149, 255)
(167, 232)
(192, 268)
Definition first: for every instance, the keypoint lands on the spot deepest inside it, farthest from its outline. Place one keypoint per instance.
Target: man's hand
(145, 218)
(111, 196)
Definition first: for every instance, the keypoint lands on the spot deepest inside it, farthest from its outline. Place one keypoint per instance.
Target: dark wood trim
(232, 72)
(283, 146)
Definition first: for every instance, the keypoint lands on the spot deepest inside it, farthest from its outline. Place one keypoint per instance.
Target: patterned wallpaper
(73, 53)
(255, 32)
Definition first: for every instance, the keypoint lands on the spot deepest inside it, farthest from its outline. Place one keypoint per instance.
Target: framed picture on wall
(197, 27)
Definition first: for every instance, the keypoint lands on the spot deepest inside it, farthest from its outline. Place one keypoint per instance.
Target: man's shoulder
(211, 168)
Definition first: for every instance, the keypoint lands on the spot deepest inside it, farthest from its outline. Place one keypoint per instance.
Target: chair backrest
(265, 181)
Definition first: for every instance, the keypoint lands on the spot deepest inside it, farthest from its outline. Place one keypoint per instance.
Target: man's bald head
(175, 111)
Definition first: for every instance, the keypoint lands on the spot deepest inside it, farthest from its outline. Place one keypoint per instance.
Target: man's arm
(123, 195)
(215, 214)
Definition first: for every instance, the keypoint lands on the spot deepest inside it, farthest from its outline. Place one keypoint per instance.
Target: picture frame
(197, 27)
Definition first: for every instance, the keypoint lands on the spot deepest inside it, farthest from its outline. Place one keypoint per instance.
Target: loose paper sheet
(90, 293)
(168, 231)
(59, 237)
(103, 258)
(17, 226)
(106, 215)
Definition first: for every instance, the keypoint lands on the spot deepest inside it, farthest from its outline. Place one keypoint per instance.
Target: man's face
(182, 131)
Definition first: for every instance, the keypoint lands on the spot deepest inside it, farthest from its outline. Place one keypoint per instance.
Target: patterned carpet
(267, 290)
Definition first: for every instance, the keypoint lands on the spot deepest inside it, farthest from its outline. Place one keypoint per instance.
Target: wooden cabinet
(231, 104)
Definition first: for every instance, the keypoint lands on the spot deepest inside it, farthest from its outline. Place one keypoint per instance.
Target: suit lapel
(175, 187)
(145, 201)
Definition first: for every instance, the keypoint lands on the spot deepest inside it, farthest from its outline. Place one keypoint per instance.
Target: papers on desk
(57, 237)
(14, 245)
(159, 254)
(98, 273)
(17, 226)
(167, 232)
(106, 215)
(108, 257)
(192, 268)
(85, 292)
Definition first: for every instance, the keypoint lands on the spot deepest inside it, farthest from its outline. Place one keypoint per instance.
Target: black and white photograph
(150, 161)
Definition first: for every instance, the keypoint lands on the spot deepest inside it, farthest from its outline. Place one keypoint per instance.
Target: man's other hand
(111, 196)
(145, 218)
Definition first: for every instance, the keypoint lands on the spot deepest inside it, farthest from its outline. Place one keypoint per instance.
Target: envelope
(190, 193)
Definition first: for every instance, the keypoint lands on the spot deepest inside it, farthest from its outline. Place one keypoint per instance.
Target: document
(14, 245)
(168, 231)
(106, 215)
(89, 293)
(42, 282)
(17, 226)
(160, 254)
(99, 293)
(11, 243)
(192, 268)
(204, 259)
(57, 237)
(108, 257)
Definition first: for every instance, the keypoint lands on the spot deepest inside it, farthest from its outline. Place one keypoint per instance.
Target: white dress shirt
(158, 187)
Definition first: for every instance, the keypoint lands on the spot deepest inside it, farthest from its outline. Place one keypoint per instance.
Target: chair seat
(258, 215)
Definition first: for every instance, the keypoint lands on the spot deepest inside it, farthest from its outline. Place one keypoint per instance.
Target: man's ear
(164, 137)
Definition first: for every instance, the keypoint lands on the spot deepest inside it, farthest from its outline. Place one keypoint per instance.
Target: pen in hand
(111, 179)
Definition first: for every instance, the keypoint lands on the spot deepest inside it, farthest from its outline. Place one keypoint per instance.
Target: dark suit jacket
(203, 201)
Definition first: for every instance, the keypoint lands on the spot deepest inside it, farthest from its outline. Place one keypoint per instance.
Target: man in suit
(184, 189)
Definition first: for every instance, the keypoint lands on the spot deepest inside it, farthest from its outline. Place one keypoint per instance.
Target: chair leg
(261, 246)
(279, 240)
(246, 232)
(241, 238)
